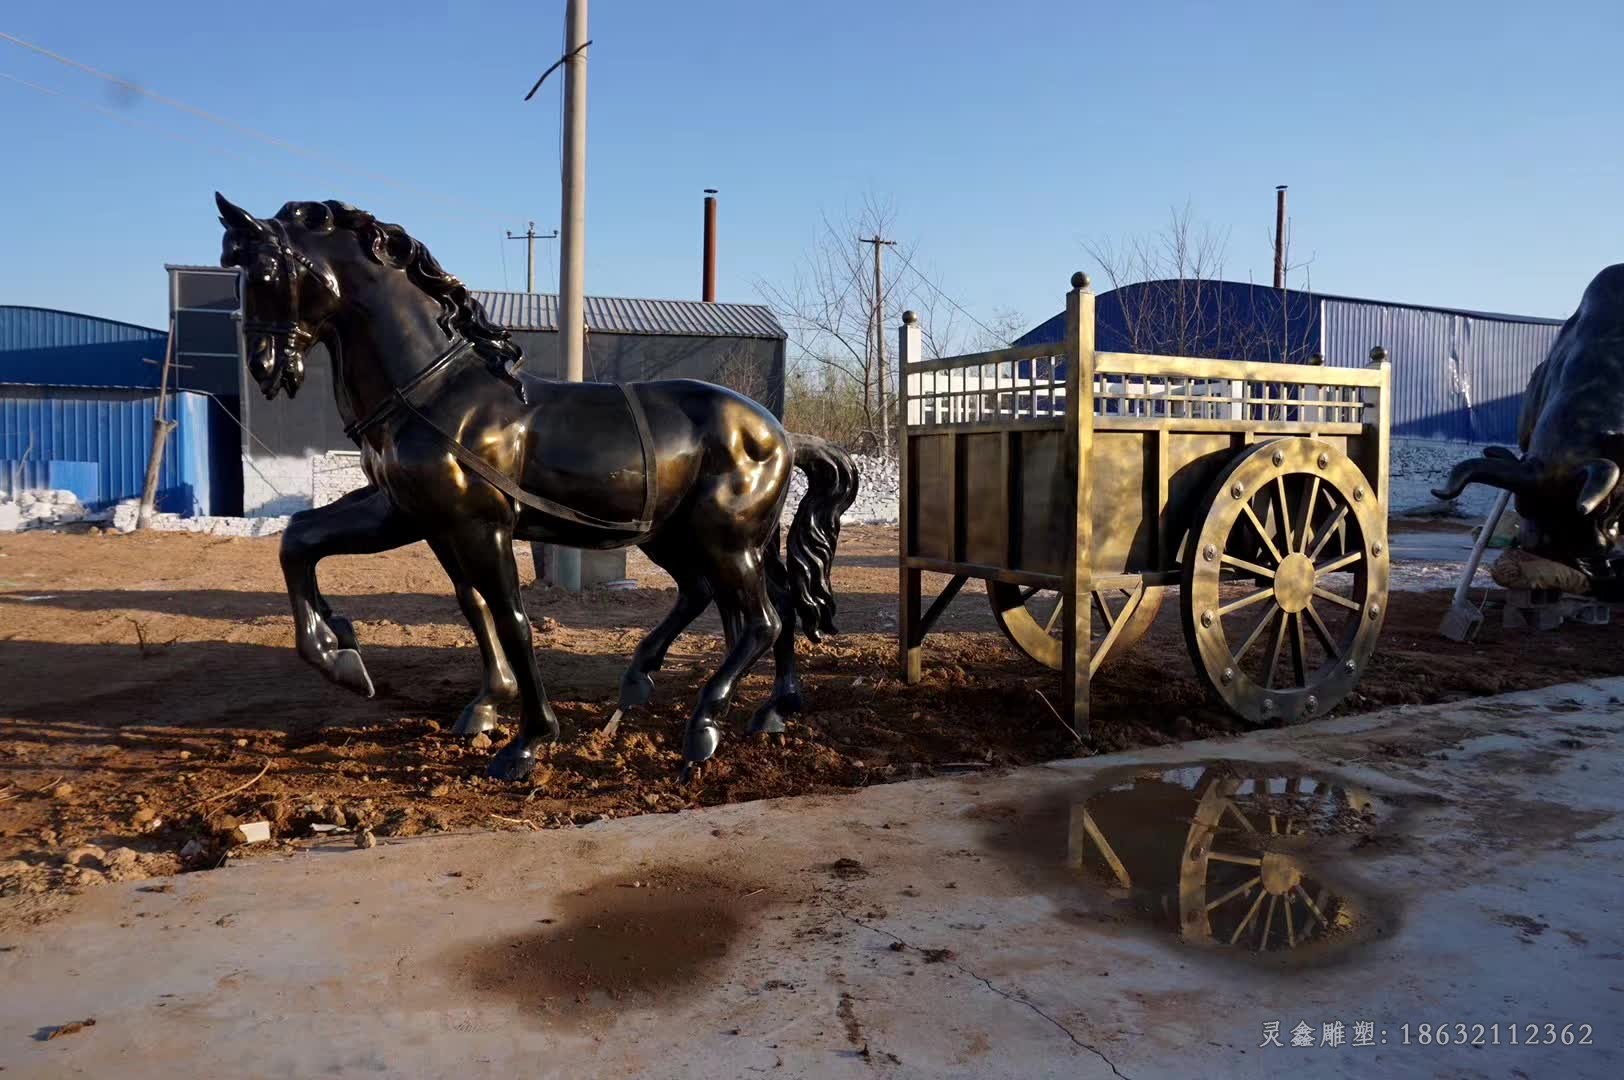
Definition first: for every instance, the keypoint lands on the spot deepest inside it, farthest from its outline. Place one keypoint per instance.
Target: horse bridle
(289, 333)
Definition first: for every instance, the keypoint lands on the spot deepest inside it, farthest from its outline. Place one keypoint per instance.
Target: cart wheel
(1292, 548)
(1239, 884)
(1030, 618)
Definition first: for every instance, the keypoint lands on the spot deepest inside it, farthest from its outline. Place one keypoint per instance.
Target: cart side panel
(1124, 511)
(984, 498)
(1042, 498)
(932, 487)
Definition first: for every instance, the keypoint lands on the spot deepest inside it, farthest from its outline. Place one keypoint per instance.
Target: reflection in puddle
(1225, 854)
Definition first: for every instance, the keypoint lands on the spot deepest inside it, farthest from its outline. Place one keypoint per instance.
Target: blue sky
(1467, 154)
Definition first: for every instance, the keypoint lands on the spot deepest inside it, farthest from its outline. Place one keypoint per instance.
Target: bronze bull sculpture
(1571, 433)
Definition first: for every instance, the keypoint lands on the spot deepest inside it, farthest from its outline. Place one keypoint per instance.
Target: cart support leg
(910, 626)
(1075, 654)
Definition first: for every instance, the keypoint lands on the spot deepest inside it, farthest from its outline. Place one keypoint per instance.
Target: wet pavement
(1382, 895)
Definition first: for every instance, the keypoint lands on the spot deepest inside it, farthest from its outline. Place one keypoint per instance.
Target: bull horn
(1597, 478)
(236, 218)
(1495, 471)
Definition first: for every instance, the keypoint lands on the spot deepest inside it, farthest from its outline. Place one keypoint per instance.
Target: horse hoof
(701, 743)
(477, 716)
(636, 689)
(692, 774)
(349, 672)
(768, 720)
(515, 761)
(344, 631)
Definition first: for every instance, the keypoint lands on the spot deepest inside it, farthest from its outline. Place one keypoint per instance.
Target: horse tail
(831, 486)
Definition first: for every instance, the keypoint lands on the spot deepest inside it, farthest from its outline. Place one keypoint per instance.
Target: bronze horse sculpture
(467, 452)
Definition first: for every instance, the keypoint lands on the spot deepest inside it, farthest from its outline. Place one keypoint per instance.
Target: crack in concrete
(983, 980)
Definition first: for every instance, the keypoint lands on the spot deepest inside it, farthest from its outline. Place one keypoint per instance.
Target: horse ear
(235, 218)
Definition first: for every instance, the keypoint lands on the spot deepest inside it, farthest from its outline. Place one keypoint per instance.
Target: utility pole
(572, 247)
(530, 236)
(881, 375)
(161, 427)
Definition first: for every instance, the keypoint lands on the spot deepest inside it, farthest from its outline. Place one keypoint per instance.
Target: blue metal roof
(621, 315)
(64, 348)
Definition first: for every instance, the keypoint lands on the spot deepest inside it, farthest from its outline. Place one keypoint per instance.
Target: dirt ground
(151, 701)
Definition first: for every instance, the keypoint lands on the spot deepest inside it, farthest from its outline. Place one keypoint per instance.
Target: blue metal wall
(1456, 375)
(95, 443)
(60, 348)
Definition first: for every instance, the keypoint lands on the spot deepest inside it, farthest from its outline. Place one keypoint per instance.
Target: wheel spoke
(1229, 807)
(1291, 933)
(1299, 650)
(1336, 564)
(1240, 860)
(1249, 567)
(1028, 593)
(1322, 632)
(1327, 531)
(1243, 887)
(1251, 914)
(1104, 609)
(1268, 921)
(1263, 534)
(1054, 616)
(1257, 632)
(1313, 907)
(1285, 513)
(1305, 513)
(1339, 601)
(1246, 601)
(1276, 643)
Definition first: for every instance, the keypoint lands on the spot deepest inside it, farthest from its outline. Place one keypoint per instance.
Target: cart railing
(1026, 387)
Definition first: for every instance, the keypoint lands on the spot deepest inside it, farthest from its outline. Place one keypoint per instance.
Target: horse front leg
(363, 522)
(479, 555)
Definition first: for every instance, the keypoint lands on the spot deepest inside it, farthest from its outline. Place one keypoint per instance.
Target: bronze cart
(1081, 485)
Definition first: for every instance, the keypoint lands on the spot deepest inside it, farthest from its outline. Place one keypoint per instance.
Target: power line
(907, 262)
(243, 129)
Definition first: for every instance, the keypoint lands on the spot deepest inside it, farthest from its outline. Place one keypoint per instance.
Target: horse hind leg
(740, 585)
(693, 597)
(786, 693)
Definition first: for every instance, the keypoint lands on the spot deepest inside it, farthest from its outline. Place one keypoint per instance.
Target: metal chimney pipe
(708, 288)
(1280, 236)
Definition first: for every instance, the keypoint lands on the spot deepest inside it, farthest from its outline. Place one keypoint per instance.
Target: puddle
(634, 940)
(1246, 860)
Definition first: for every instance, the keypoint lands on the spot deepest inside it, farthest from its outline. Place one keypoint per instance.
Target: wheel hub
(1294, 582)
(1280, 875)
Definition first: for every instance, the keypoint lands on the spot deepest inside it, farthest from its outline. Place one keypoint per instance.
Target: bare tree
(1181, 305)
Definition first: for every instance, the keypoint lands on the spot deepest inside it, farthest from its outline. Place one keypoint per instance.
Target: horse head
(288, 293)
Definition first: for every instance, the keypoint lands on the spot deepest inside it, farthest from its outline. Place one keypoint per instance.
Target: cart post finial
(1079, 280)
(1378, 356)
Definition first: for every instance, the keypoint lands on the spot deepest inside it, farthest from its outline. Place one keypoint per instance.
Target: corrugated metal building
(77, 399)
(1457, 375)
(738, 345)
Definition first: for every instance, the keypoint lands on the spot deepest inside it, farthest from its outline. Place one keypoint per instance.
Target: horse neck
(387, 333)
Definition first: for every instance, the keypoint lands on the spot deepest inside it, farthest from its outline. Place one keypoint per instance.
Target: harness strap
(651, 473)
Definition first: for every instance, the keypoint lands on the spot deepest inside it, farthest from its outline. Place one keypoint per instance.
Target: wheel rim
(1286, 582)
(1031, 618)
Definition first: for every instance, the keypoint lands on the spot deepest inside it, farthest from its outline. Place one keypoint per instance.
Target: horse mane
(390, 245)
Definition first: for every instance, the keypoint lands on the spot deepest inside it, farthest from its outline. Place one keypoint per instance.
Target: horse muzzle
(276, 362)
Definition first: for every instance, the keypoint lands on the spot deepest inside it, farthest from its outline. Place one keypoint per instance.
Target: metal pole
(880, 375)
(530, 262)
(1280, 236)
(161, 427)
(572, 247)
(707, 291)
